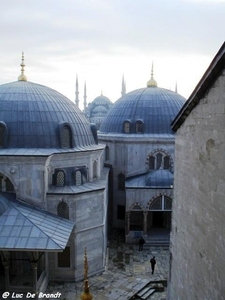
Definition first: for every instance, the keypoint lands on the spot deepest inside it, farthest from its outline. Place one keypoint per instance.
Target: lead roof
(155, 107)
(32, 114)
(24, 227)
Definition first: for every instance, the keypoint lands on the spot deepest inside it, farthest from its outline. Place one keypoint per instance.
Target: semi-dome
(36, 116)
(147, 110)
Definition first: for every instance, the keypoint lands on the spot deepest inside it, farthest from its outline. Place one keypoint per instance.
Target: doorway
(157, 219)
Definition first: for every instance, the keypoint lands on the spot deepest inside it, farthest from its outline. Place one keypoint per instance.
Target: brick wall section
(198, 225)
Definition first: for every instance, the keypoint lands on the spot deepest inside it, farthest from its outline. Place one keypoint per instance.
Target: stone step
(156, 244)
(147, 294)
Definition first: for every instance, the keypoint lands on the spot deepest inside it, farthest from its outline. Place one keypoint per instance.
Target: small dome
(32, 115)
(154, 107)
(159, 178)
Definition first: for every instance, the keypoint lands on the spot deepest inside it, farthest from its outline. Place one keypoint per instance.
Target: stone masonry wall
(198, 236)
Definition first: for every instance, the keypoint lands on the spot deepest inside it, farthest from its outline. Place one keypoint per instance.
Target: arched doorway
(159, 215)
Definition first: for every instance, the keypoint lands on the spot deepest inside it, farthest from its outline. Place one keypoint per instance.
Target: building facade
(197, 240)
(140, 152)
(51, 166)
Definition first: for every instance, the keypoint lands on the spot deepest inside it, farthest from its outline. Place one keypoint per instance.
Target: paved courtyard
(128, 270)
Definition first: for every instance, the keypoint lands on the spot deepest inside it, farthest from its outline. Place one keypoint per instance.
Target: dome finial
(22, 76)
(86, 295)
(152, 82)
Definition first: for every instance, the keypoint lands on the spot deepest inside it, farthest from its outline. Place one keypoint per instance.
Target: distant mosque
(96, 110)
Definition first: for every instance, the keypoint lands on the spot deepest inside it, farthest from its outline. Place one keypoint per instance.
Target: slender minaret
(86, 295)
(77, 92)
(85, 96)
(176, 87)
(123, 91)
(152, 82)
(22, 76)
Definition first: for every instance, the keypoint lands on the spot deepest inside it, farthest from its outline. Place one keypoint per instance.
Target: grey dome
(159, 178)
(154, 107)
(101, 100)
(33, 113)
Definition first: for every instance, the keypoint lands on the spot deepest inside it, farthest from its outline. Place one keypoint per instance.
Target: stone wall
(197, 240)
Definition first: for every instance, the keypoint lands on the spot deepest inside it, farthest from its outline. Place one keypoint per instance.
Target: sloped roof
(24, 227)
(212, 73)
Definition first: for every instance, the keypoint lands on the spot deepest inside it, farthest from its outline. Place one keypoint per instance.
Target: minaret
(86, 295)
(152, 82)
(176, 87)
(85, 96)
(22, 76)
(123, 91)
(77, 93)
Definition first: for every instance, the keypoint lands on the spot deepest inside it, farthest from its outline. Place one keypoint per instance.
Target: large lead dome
(34, 116)
(148, 110)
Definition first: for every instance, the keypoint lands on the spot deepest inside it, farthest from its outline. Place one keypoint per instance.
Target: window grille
(78, 178)
(139, 127)
(66, 137)
(156, 204)
(60, 178)
(126, 127)
(95, 169)
(167, 203)
(63, 210)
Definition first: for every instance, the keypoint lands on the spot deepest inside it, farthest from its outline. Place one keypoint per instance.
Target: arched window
(151, 162)
(161, 203)
(95, 165)
(167, 203)
(156, 204)
(166, 162)
(60, 178)
(158, 160)
(121, 182)
(106, 153)
(126, 127)
(66, 137)
(63, 210)
(78, 178)
(139, 127)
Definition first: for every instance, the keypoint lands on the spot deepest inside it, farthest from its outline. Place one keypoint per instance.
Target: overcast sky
(100, 40)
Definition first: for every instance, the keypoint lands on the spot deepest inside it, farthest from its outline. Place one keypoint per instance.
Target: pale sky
(100, 40)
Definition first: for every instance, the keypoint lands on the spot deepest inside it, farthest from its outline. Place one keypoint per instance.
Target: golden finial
(86, 295)
(22, 76)
(152, 82)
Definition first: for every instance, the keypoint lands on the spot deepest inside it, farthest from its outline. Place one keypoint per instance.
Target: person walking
(141, 243)
(153, 262)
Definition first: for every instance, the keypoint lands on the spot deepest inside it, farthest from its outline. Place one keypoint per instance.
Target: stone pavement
(128, 270)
